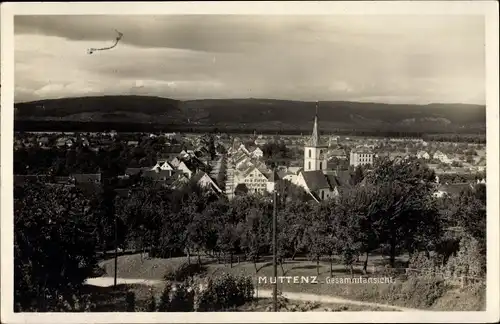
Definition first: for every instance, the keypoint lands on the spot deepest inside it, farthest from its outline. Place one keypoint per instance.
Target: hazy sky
(403, 59)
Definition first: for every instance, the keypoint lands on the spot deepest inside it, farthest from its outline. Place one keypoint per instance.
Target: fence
(451, 280)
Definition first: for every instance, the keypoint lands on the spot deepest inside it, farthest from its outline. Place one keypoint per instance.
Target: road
(109, 281)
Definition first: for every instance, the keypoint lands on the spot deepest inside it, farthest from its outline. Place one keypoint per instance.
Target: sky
(391, 59)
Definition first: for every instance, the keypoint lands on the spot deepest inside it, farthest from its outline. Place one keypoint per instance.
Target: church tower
(315, 158)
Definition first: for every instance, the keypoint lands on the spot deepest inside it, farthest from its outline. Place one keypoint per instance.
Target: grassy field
(400, 293)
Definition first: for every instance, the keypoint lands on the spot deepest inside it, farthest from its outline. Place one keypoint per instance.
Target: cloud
(393, 58)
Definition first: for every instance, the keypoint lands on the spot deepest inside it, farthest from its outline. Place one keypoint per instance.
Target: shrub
(164, 305)
(223, 292)
(177, 298)
(419, 292)
(181, 298)
(151, 302)
(468, 262)
(130, 300)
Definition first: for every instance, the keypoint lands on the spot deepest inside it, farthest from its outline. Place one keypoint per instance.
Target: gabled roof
(339, 179)
(315, 180)
(199, 175)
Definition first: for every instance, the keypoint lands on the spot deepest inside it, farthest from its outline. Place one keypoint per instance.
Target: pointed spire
(315, 135)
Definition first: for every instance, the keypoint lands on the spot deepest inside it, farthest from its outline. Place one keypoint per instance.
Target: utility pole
(116, 249)
(275, 250)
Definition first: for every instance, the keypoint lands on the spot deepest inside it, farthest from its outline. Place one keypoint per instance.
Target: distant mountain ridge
(262, 112)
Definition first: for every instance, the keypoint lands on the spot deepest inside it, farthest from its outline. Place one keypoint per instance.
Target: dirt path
(109, 281)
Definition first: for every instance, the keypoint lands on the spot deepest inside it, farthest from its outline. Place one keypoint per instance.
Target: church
(320, 181)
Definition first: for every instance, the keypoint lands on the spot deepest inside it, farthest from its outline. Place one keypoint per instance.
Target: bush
(164, 305)
(468, 262)
(223, 292)
(177, 298)
(151, 302)
(130, 300)
(184, 271)
(181, 298)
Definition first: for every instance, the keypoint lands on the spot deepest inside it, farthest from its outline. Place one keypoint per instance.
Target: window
(321, 165)
(309, 164)
(309, 155)
(322, 195)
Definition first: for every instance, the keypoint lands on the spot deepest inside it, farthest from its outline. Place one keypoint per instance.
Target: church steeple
(315, 135)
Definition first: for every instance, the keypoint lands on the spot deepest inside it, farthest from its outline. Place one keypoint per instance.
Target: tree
(316, 235)
(471, 215)
(407, 211)
(54, 245)
(358, 175)
(255, 235)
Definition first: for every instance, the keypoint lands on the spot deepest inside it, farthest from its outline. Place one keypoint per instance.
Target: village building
(361, 156)
(315, 177)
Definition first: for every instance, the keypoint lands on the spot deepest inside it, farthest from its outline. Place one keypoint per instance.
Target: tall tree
(54, 245)
(406, 208)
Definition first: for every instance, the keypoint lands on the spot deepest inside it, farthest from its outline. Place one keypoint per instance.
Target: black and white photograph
(216, 158)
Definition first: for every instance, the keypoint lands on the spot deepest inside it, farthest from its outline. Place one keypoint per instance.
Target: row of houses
(188, 165)
(250, 172)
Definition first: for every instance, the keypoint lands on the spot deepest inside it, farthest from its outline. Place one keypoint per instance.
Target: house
(316, 184)
(272, 179)
(187, 168)
(257, 153)
(440, 156)
(337, 153)
(451, 190)
(177, 180)
(204, 181)
(157, 175)
(44, 141)
(163, 165)
(64, 141)
(243, 149)
(423, 155)
(398, 156)
(85, 142)
(360, 157)
(133, 143)
(175, 162)
(255, 180)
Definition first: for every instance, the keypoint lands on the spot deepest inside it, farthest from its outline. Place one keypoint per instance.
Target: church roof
(315, 180)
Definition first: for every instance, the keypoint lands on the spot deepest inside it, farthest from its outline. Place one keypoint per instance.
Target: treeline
(457, 135)
(58, 230)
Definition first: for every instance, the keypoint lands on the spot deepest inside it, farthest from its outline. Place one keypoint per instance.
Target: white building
(360, 157)
(438, 155)
(163, 165)
(423, 155)
(257, 153)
